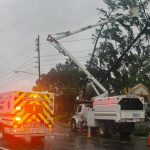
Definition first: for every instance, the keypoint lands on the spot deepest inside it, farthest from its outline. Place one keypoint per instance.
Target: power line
(12, 70)
(117, 63)
(18, 65)
(14, 57)
(19, 77)
(76, 40)
(17, 61)
(16, 81)
(21, 62)
(6, 75)
(68, 41)
(58, 63)
(45, 60)
(70, 52)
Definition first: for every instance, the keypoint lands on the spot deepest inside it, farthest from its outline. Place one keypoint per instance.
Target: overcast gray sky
(23, 20)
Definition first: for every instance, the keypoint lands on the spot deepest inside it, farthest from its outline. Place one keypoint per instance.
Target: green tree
(115, 37)
(64, 76)
(64, 81)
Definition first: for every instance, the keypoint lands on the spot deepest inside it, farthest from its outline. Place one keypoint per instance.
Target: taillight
(18, 108)
(35, 96)
(17, 118)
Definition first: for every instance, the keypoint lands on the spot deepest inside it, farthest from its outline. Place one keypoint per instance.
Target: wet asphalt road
(77, 142)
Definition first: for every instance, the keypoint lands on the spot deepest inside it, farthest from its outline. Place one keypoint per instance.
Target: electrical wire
(16, 81)
(68, 41)
(24, 59)
(23, 53)
(70, 52)
(45, 60)
(14, 66)
(20, 59)
(58, 63)
(26, 68)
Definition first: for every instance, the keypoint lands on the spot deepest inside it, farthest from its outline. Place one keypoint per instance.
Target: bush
(141, 130)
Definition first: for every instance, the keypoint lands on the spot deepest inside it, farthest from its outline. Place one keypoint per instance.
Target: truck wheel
(94, 131)
(5, 136)
(73, 126)
(110, 131)
(102, 131)
(125, 133)
(126, 129)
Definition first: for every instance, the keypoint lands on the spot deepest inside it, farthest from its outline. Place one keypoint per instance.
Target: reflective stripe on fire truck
(46, 116)
(19, 98)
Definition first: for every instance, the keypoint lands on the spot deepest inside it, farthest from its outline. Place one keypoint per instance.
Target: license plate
(136, 115)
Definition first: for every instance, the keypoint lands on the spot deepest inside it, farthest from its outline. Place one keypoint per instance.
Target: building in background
(140, 90)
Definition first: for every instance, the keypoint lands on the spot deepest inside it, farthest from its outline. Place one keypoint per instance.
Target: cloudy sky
(23, 20)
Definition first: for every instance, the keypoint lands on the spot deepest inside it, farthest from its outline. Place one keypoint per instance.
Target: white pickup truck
(110, 114)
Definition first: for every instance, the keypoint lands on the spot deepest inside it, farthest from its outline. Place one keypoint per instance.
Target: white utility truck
(25, 114)
(106, 114)
(103, 113)
(110, 115)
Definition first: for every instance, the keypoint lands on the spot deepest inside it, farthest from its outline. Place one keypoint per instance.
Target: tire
(73, 126)
(125, 133)
(110, 131)
(125, 130)
(102, 130)
(94, 131)
(5, 136)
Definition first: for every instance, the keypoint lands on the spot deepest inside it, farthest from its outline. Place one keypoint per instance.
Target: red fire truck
(26, 114)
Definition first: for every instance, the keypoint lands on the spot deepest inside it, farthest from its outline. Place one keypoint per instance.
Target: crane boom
(132, 13)
(90, 78)
(54, 41)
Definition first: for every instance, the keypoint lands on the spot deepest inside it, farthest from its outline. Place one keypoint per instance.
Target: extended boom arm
(91, 79)
(132, 13)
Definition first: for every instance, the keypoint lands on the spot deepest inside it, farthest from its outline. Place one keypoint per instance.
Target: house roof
(140, 89)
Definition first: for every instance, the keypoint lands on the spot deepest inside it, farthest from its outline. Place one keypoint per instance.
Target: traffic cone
(89, 132)
(148, 140)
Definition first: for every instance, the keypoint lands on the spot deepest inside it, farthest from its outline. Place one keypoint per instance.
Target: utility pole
(38, 50)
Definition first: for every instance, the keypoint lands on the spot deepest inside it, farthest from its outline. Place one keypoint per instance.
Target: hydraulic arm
(94, 83)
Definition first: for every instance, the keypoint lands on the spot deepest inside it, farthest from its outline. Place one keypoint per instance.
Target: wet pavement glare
(76, 142)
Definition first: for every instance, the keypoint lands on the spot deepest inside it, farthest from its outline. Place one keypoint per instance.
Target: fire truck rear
(26, 114)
